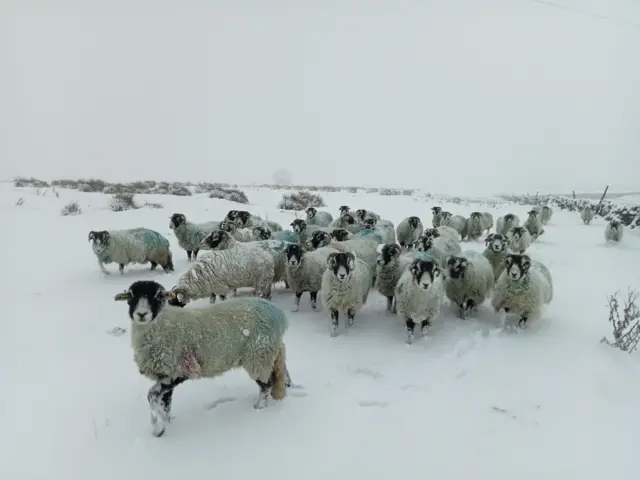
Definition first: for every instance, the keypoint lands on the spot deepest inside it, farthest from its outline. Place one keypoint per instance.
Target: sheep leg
(390, 303)
(212, 298)
(314, 300)
(265, 391)
(351, 316)
(335, 320)
(523, 321)
(195, 253)
(160, 397)
(424, 326)
(153, 265)
(296, 302)
(223, 297)
(286, 284)
(411, 325)
(121, 268)
(103, 268)
(189, 255)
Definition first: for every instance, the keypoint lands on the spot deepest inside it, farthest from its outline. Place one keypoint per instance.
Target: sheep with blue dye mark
(586, 214)
(136, 245)
(613, 231)
(523, 288)
(442, 231)
(468, 281)
(189, 234)
(382, 230)
(409, 230)
(475, 226)
(263, 233)
(304, 230)
(420, 295)
(496, 251)
(439, 247)
(316, 217)
(363, 246)
(364, 215)
(341, 234)
(346, 221)
(519, 239)
(245, 219)
(505, 223)
(344, 209)
(345, 287)
(223, 271)
(457, 222)
(240, 234)
(533, 224)
(437, 216)
(172, 345)
(546, 214)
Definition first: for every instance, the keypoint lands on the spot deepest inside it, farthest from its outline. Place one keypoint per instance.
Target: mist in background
(466, 97)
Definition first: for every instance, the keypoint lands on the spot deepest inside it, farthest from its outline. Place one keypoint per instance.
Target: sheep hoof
(261, 402)
(295, 308)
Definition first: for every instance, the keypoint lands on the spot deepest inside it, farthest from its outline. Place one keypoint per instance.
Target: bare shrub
(20, 202)
(230, 194)
(71, 208)
(29, 182)
(179, 190)
(153, 205)
(626, 325)
(352, 189)
(389, 192)
(123, 201)
(300, 201)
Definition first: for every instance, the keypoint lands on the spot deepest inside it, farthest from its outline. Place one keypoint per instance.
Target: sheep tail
(279, 387)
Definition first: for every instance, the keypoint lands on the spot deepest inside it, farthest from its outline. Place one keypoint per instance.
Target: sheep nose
(141, 316)
(341, 276)
(425, 285)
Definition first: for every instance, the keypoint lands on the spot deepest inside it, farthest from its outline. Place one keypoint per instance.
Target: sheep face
(423, 244)
(232, 215)
(424, 273)
(475, 216)
(387, 253)
(516, 233)
(370, 223)
(177, 219)
(546, 209)
(146, 299)
(227, 226)
(100, 240)
(614, 224)
(436, 210)
(497, 243)
(348, 218)
(446, 215)
(414, 222)
(298, 225)
(341, 264)
(431, 232)
(262, 233)
(532, 213)
(340, 234)
(517, 266)
(456, 266)
(294, 253)
(318, 239)
(311, 212)
(344, 209)
(360, 213)
(242, 218)
(509, 217)
(214, 239)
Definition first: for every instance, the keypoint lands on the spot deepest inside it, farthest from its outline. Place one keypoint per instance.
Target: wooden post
(601, 199)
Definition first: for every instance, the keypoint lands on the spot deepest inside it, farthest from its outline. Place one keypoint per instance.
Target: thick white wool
(321, 219)
(503, 226)
(546, 214)
(306, 276)
(612, 234)
(350, 293)
(449, 232)
(458, 223)
(534, 225)
(519, 245)
(190, 235)
(474, 227)
(124, 248)
(475, 284)
(487, 220)
(586, 214)
(415, 303)
(496, 259)
(406, 234)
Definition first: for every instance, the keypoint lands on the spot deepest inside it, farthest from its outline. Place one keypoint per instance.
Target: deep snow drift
(468, 401)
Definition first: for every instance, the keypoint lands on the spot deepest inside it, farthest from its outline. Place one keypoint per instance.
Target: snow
(467, 402)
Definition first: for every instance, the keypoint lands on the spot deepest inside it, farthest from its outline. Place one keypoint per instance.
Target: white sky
(435, 94)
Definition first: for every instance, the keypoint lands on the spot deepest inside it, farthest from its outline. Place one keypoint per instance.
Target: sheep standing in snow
(442, 231)
(522, 289)
(315, 217)
(439, 247)
(245, 219)
(533, 224)
(519, 239)
(348, 222)
(190, 235)
(137, 245)
(263, 233)
(613, 231)
(240, 234)
(363, 215)
(496, 252)
(586, 214)
(409, 230)
(475, 226)
(469, 280)
(504, 224)
(172, 345)
(304, 231)
(223, 271)
(380, 230)
(437, 216)
(345, 287)
(456, 222)
(341, 234)
(488, 221)
(420, 295)
(546, 214)
(344, 209)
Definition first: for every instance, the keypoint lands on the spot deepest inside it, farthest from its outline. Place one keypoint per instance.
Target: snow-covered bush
(71, 208)
(230, 194)
(179, 190)
(625, 325)
(29, 182)
(123, 201)
(300, 200)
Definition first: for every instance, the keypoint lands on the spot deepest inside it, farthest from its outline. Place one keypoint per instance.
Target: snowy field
(467, 402)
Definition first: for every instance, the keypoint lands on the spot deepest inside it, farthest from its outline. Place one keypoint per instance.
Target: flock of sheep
(343, 259)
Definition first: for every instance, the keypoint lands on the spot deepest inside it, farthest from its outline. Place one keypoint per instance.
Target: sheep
(586, 214)
(437, 216)
(348, 222)
(519, 239)
(419, 295)
(390, 264)
(189, 234)
(341, 234)
(533, 224)
(496, 251)
(223, 271)
(137, 245)
(172, 345)
(322, 219)
(468, 281)
(383, 230)
(440, 248)
(442, 231)
(456, 222)
(304, 272)
(522, 289)
(409, 230)
(547, 213)
(344, 209)
(304, 230)
(363, 215)
(240, 234)
(504, 224)
(245, 219)
(488, 221)
(345, 287)
(263, 233)
(222, 240)
(613, 231)
(475, 225)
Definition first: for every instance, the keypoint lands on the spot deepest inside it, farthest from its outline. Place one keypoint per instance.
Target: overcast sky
(464, 96)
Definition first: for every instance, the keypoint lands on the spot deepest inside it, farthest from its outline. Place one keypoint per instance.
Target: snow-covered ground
(467, 402)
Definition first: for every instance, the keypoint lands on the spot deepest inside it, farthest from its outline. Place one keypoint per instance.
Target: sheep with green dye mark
(263, 233)
(442, 231)
(346, 221)
(189, 234)
(172, 345)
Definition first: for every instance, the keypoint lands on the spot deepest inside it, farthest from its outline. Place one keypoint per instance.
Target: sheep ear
(437, 271)
(414, 269)
(489, 239)
(331, 260)
(92, 235)
(123, 297)
(352, 261)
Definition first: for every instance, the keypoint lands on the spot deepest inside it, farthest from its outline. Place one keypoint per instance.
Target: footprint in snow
(372, 403)
(117, 331)
(219, 401)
